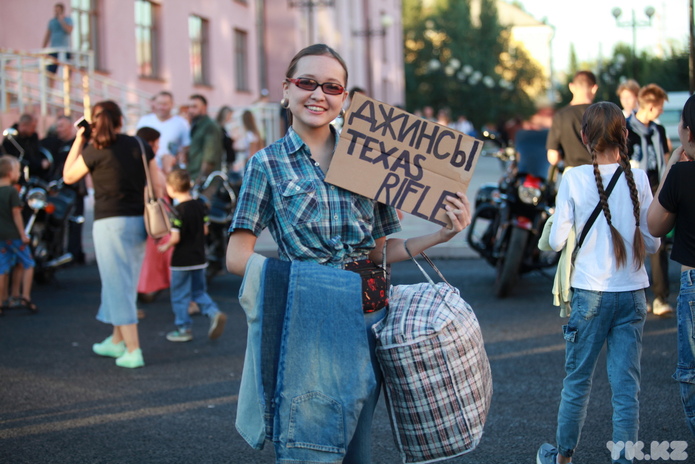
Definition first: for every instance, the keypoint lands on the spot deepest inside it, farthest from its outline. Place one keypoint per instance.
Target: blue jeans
(187, 286)
(360, 447)
(616, 319)
(325, 373)
(685, 372)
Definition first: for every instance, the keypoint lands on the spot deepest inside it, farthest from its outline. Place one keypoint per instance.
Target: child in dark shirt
(13, 240)
(188, 261)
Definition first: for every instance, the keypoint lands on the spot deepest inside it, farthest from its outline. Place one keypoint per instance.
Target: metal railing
(26, 82)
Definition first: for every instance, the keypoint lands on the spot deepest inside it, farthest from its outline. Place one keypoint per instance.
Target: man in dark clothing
(205, 151)
(564, 139)
(59, 146)
(647, 148)
(34, 156)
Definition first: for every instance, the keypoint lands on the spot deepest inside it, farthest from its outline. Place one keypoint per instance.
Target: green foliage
(470, 67)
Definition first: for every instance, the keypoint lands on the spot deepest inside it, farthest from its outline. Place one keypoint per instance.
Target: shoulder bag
(156, 215)
(437, 378)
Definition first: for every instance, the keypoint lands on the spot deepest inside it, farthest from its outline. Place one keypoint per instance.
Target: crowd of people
(321, 229)
(108, 163)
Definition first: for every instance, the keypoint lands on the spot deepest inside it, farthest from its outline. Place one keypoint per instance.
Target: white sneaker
(662, 308)
(217, 323)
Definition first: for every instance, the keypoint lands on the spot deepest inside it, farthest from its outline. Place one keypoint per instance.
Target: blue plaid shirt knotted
(284, 189)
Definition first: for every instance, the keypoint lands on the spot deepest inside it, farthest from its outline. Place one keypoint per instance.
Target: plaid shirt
(310, 220)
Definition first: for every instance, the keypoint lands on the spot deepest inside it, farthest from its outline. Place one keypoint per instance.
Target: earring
(285, 103)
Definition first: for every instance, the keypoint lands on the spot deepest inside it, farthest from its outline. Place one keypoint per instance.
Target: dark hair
(6, 164)
(316, 50)
(179, 180)
(198, 96)
(26, 118)
(586, 78)
(164, 93)
(603, 125)
(688, 115)
(148, 134)
(222, 114)
(107, 118)
(355, 90)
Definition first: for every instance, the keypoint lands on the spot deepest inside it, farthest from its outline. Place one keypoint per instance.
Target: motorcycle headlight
(529, 195)
(36, 198)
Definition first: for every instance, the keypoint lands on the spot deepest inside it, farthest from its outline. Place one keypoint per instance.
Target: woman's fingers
(459, 213)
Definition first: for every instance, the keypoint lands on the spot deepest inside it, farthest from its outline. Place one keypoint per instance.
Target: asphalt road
(60, 403)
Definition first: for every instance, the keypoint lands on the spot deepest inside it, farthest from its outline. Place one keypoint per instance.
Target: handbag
(437, 378)
(157, 210)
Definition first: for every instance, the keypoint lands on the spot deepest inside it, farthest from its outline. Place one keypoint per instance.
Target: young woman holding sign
(312, 221)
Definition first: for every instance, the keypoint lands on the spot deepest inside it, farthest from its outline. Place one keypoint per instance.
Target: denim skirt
(119, 245)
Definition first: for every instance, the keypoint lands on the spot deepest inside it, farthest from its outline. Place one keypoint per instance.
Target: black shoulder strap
(597, 210)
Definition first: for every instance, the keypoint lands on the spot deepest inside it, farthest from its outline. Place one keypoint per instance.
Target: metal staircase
(25, 85)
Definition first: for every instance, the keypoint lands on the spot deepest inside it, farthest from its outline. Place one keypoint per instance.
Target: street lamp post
(634, 24)
(386, 21)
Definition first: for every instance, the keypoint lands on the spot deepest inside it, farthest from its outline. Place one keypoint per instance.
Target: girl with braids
(608, 302)
(674, 206)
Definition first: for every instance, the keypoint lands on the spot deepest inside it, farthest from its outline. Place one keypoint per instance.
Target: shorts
(52, 68)
(12, 251)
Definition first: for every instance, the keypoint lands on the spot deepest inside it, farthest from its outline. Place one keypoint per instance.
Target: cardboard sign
(399, 159)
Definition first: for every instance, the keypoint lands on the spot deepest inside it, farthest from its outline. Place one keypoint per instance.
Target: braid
(638, 247)
(616, 238)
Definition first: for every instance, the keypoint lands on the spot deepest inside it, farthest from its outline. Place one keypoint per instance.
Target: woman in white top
(608, 303)
(249, 143)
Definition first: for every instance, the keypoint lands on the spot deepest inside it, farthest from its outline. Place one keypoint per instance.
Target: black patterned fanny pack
(375, 283)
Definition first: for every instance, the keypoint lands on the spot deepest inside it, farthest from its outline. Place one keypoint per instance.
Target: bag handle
(149, 189)
(429, 261)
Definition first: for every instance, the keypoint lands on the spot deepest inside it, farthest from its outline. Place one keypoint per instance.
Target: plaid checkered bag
(436, 372)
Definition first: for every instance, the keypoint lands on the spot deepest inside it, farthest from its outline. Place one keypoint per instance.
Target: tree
(466, 64)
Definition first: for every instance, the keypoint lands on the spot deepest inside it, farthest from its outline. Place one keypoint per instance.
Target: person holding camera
(115, 162)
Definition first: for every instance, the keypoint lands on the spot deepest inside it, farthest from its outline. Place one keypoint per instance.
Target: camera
(82, 122)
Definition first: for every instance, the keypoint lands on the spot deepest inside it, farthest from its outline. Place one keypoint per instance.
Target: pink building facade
(227, 50)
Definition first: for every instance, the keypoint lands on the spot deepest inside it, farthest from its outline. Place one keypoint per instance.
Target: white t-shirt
(175, 133)
(595, 267)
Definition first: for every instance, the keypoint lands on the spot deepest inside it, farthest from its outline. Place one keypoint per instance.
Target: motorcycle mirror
(10, 131)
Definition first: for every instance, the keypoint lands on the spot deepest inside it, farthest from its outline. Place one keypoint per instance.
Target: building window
(241, 60)
(146, 14)
(84, 33)
(198, 34)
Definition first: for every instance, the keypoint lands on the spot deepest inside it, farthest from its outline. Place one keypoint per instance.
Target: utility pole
(691, 46)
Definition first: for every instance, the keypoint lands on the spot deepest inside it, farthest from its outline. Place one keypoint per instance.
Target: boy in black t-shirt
(188, 261)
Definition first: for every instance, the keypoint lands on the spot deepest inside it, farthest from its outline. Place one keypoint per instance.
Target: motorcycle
(509, 215)
(48, 208)
(219, 194)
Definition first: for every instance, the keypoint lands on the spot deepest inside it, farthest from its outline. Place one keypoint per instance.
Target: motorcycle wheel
(509, 266)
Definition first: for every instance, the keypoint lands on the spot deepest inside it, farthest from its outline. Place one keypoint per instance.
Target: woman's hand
(458, 210)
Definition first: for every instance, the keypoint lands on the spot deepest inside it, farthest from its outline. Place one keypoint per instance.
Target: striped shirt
(284, 189)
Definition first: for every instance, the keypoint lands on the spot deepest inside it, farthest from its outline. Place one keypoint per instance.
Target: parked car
(672, 114)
